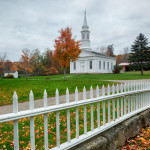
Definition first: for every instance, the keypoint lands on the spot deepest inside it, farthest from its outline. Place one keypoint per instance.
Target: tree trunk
(26, 76)
(1, 76)
(64, 74)
(142, 71)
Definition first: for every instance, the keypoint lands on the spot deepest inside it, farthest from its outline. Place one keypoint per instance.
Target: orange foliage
(66, 48)
(27, 62)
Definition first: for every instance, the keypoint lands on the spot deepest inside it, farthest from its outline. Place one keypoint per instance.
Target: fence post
(77, 114)
(85, 116)
(125, 103)
(98, 107)
(121, 100)
(117, 102)
(15, 122)
(57, 120)
(68, 116)
(45, 122)
(108, 92)
(113, 92)
(104, 117)
(92, 121)
(32, 135)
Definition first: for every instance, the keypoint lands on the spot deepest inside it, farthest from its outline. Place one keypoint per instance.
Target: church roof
(100, 54)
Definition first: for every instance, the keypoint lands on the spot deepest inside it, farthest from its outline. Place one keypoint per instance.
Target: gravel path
(51, 100)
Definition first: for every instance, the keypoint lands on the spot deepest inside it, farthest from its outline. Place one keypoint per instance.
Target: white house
(91, 61)
(14, 73)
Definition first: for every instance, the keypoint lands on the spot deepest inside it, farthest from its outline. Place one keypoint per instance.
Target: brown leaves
(140, 142)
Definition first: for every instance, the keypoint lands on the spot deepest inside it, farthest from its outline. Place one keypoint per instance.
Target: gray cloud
(35, 23)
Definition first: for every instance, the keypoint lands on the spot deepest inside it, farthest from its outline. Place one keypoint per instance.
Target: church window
(108, 65)
(104, 65)
(90, 64)
(87, 36)
(111, 66)
(74, 65)
(83, 36)
(99, 64)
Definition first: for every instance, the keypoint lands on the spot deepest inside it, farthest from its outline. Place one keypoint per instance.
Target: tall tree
(27, 62)
(2, 64)
(140, 56)
(110, 50)
(66, 49)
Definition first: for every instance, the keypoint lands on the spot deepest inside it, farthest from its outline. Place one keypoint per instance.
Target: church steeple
(85, 34)
(85, 21)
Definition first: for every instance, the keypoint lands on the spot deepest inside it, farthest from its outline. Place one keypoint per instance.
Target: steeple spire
(85, 20)
(85, 34)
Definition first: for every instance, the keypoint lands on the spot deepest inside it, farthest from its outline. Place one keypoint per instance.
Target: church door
(82, 66)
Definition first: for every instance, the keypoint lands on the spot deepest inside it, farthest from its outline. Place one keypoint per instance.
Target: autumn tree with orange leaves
(27, 64)
(66, 49)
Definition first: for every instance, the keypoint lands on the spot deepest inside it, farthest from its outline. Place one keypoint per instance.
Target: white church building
(90, 61)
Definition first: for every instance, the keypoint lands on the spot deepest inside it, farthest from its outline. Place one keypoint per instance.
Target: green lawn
(38, 84)
(50, 83)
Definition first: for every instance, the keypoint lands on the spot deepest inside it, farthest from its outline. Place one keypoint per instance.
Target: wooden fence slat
(32, 135)
(108, 92)
(45, 122)
(92, 120)
(68, 116)
(77, 114)
(118, 102)
(15, 122)
(85, 115)
(104, 116)
(113, 92)
(57, 120)
(98, 107)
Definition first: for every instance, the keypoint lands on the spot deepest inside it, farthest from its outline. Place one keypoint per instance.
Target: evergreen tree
(140, 54)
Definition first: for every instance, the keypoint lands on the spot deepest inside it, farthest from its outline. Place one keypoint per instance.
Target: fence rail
(122, 101)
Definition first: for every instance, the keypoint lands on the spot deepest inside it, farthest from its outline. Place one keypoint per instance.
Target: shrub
(9, 76)
(117, 69)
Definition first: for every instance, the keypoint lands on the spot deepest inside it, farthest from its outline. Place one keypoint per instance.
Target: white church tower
(90, 61)
(85, 35)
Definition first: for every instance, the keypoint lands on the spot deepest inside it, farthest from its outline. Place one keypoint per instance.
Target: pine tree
(140, 54)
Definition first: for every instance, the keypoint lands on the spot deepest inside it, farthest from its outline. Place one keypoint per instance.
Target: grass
(6, 129)
(38, 84)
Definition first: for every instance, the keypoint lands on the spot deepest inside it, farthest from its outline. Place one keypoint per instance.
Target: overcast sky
(35, 23)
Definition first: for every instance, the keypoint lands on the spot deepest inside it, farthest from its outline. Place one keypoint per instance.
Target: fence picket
(32, 135)
(113, 92)
(57, 121)
(125, 106)
(108, 93)
(15, 122)
(98, 107)
(85, 116)
(68, 116)
(121, 100)
(92, 120)
(77, 114)
(45, 122)
(103, 94)
(117, 102)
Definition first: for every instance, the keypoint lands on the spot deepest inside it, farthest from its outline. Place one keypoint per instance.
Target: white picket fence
(127, 100)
